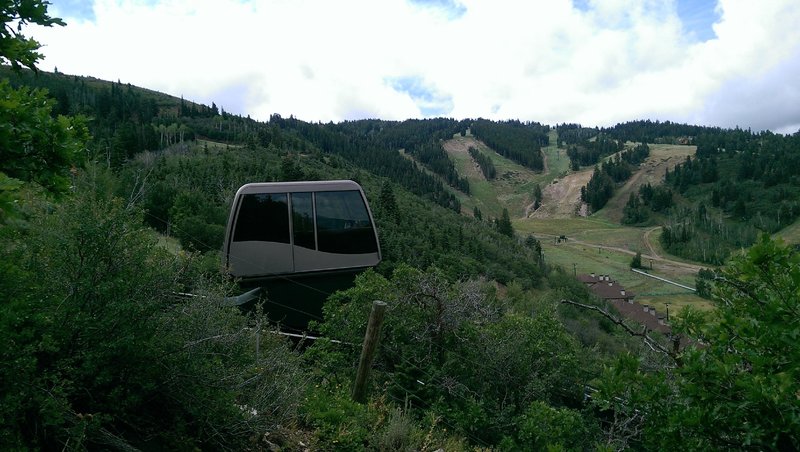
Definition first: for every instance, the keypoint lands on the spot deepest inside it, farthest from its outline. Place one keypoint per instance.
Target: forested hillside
(738, 185)
(114, 333)
(520, 142)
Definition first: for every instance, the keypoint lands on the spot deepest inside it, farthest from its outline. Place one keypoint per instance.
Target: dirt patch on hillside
(562, 198)
(662, 156)
(461, 145)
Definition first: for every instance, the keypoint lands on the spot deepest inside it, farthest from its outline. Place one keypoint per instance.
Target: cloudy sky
(596, 62)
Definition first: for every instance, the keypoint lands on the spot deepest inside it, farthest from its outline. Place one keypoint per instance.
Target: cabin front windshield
(343, 223)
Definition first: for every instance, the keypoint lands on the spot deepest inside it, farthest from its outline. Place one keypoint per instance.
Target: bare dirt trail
(562, 198)
(545, 169)
(650, 244)
(651, 171)
(461, 145)
(529, 207)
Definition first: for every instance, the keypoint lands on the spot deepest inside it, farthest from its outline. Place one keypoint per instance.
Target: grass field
(790, 234)
(216, 144)
(557, 160)
(578, 259)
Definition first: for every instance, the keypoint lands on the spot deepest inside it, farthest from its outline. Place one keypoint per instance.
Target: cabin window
(263, 217)
(303, 220)
(343, 224)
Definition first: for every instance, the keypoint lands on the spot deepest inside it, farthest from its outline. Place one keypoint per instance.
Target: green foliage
(636, 262)
(15, 48)
(452, 349)
(34, 146)
(700, 235)
(197, 222)
(596, 334)
(8, 191)
(476, 213)
(704, 282)
(739, 390)
(339, 423)
(503, 224)
(613, 171)
(589, 152)
(373, 145)
(388, 202)
(520, 142)
(507, 365)
(743, 386)
(544, 427)
(425, 235)
(752, 178)
(536, 246)
(658, 198)
(648, 131)
(188, 195)
(634, 211)
(436, 159)
(537, 196)
(484, 163)
(96, 351)
(574, 134)
(598, 191)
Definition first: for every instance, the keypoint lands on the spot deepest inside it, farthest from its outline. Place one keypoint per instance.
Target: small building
(604, 287)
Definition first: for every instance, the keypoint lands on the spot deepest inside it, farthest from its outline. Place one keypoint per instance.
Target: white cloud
(614, 60)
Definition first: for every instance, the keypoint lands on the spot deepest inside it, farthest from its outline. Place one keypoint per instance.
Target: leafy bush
(544, 427)
(453, 350)
(739, 390)
(97, 352)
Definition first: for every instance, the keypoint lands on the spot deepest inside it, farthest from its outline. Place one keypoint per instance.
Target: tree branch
(649, 341)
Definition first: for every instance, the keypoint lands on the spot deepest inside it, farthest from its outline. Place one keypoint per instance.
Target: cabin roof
(301, 186)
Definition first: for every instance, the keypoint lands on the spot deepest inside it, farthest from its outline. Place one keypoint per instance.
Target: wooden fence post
(368, 350)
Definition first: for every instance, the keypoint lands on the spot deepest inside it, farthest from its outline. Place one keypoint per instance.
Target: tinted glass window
(263, 217)
(343, 224)
(303, 220)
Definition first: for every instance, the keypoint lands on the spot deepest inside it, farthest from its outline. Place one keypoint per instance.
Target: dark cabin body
(301, 241)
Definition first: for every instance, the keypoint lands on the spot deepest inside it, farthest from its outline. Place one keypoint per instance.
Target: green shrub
(96, 351)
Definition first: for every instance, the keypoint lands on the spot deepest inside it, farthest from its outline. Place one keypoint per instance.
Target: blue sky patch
(698, 16)
(581, 5)
(72, 9)
(430, 102)
(452, 8)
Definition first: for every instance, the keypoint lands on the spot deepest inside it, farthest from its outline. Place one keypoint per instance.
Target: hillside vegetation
(115, 333)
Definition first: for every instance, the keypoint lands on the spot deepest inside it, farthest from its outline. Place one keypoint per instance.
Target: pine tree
(537, 196)
(388, 202)
(636, 262)
(504, 224)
